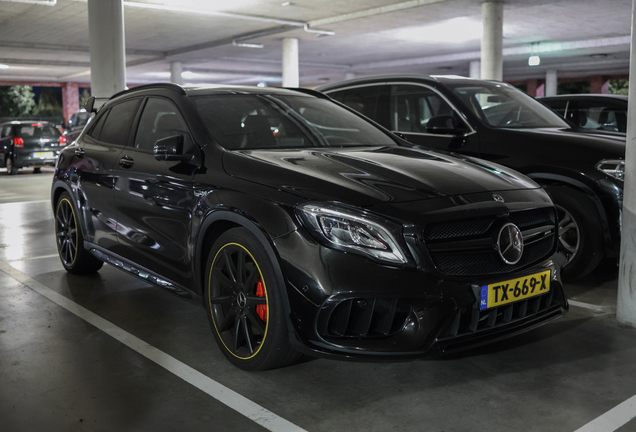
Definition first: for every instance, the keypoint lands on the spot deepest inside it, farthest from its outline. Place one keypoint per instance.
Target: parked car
(599, 112)
(76, 123)
(303, 228)
(29, 143)
(494, 121)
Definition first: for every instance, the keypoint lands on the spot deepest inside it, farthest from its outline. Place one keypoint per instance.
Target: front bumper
(348, 307)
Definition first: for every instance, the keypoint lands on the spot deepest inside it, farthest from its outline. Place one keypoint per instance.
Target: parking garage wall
(598, 83)
(70, 93)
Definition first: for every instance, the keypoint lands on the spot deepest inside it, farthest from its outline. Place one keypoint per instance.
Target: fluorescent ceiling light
(534, 60)
(4, 66)
(450, 31)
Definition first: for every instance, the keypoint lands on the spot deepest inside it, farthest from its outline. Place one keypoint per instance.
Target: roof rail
(170, 86)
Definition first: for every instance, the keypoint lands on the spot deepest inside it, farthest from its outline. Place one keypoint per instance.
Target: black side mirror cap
(89, 105)
(170, 149)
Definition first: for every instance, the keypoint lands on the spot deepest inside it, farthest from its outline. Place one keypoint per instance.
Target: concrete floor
(150, 362)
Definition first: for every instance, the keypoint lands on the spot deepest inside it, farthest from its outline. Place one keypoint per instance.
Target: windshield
(503, 106)
(247, 122)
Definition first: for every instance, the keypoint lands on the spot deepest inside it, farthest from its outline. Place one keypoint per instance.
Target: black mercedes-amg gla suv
(303, 228)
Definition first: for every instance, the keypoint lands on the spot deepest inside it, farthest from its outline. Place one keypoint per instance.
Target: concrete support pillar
(474, 69)
(626, 302)
(70, 99)
(291, 74)
(107, 47)
(492, 41)
(176, 69)
(551, 82)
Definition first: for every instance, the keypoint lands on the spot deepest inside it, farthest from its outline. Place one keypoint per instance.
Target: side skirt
(141, 272)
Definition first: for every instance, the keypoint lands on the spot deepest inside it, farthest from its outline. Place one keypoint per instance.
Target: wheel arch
(220, 221)
(57, 190)
(552, 179)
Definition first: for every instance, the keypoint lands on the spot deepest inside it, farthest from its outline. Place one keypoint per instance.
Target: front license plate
(43, 155)
(513, 290)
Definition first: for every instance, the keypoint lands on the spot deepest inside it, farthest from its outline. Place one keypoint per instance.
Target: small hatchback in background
(29, 144)
(600, 112)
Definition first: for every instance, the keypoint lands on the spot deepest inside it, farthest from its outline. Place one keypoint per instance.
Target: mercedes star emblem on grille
(510, 243)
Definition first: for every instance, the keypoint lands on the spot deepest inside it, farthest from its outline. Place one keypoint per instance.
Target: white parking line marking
(225, 395)
(613, 419)
(593, 307)
(34, 258)
(22, 202)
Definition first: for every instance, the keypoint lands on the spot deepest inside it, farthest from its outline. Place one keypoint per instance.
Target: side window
(412, 107)
(362, 99)
(160, 119)
(602, 115)
(6, 131)
(117, 125)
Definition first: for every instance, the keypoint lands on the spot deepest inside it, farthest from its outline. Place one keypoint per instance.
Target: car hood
(366, 176)
(611, 145)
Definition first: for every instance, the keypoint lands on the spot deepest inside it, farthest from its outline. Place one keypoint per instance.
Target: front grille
(470, 321)
(362, 317)
(468, 247)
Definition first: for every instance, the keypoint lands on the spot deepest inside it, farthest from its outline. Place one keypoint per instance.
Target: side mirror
(442, 124)
(89, 105)
(170, 149)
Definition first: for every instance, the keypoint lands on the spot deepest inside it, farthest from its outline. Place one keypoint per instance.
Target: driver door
(154, 198)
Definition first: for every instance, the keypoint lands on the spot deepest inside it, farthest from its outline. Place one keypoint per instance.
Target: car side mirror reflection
(171, 149)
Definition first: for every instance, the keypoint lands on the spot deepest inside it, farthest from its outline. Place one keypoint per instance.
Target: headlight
(352, 230)
(612, 167)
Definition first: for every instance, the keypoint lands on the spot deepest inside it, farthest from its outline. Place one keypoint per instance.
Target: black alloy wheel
(70, 243)
(580, 232)
(245, 305)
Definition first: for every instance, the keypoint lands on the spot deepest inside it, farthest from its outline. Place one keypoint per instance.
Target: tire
(69, 240)
(11, 169)
(580, 232)
(244, 302)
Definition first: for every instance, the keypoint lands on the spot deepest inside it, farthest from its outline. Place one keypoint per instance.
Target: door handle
(79, 152)
(126, 162)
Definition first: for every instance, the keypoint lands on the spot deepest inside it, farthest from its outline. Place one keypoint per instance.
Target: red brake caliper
(261, 310)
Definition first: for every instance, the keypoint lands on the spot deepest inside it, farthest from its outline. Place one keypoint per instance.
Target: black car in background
(492, 120)
(598, 112)
(29, 143)
(304, 228)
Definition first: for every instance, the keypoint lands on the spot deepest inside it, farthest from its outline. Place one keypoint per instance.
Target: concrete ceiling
(576, 37)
